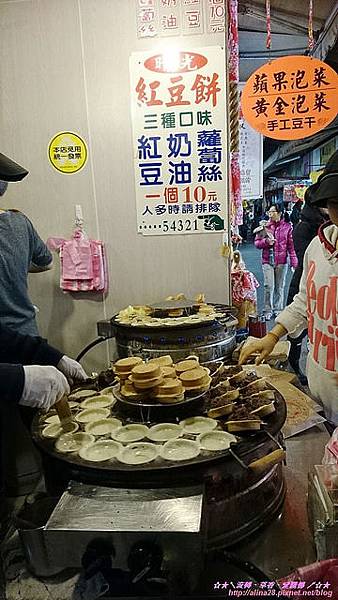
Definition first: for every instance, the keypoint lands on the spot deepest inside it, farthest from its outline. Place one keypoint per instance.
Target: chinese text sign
(179, 139)
(291, 98)
(251, 159)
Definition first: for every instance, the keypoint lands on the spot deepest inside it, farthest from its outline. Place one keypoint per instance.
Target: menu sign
(179, 137)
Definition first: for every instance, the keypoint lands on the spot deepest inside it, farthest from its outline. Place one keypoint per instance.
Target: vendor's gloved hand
(72, 369)
(263, 346)
(43, 387)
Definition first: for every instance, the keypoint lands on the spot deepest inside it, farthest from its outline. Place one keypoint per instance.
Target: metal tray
(146, 412)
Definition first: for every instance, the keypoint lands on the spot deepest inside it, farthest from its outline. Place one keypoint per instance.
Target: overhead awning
(291, 151)
(329, 36)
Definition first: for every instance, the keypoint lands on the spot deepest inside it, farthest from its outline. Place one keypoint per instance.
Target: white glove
(43, 387)
(72, 369)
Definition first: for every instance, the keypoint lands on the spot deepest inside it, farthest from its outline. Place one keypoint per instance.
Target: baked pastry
(167, 399)
(169, 387)
(200, 299)
(263, 409)
(255, 386)
(217, 374)
(132, 394)
(242, 420)
(145, 371)
(168, 372)
(220, 407)
(205, 309)
(146, 384)
(266, 395)
(186, 365)
(175, 312)
(195, 378)
(125, 365)
(221, 388)
(238, 378)
(230, 370)
(162, 361)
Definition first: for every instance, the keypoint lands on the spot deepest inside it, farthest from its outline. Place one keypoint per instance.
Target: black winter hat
(326, 187)
(10, 170)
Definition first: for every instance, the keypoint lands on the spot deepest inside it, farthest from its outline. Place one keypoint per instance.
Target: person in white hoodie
(316, 305)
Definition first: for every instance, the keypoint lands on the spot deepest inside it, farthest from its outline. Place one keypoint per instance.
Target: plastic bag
(331, 450)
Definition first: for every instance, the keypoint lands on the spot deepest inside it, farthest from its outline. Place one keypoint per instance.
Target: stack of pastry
(146, 376)
(162, 361)
(123, 367)
(186, 365)
(193, 377)
(169, 391)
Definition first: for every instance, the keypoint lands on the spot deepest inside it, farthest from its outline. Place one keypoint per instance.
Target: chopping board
(300, 406)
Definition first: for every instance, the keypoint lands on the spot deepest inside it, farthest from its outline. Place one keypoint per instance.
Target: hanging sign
(291, 98)
(179, 137)
(250, 158)
(67, 152)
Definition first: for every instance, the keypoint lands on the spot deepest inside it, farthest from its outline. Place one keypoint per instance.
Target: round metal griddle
(228, 321)
(210, 340)
(161, 472)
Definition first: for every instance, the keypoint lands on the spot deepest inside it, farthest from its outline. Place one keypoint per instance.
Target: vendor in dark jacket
(33, 374)
(311, 218)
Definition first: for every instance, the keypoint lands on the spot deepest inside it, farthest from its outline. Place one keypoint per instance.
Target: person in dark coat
(296, 213)
(32, 374)
(311, 218)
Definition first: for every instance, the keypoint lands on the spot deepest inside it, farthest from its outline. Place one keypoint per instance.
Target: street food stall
(168, 456)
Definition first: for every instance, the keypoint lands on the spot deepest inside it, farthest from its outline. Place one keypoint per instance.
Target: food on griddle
(176, 312)
(221, 406)
(264, 409)
(220, 388)
(255, 386)
(217, 374)
(200, 299)
(230, 370)
(267, 395)
(79, 395)
(238, 378)
(242, 420)
(246, 379)
(186, 365)
(206, 309)
(214, 367)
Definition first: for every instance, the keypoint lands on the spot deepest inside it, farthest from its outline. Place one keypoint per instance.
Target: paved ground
(253, 261)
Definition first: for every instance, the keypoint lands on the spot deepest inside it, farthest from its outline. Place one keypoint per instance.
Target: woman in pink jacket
(277, 244)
